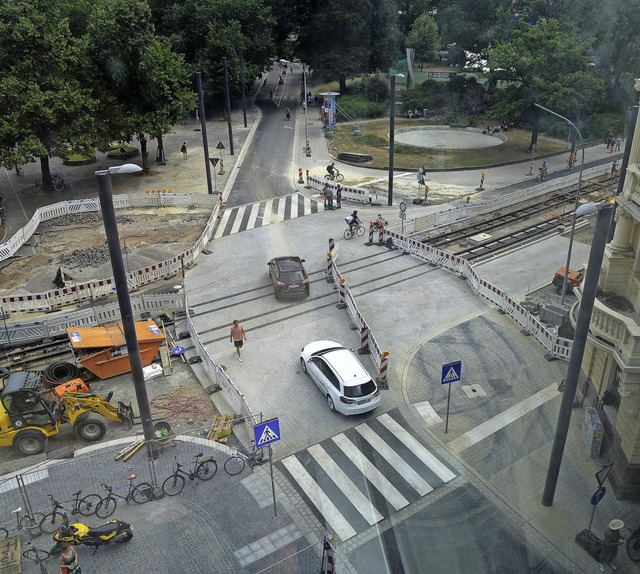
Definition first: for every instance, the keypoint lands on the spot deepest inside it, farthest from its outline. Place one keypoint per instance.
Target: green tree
(144, 88)
(468, 23)
(543, 64)
(46, 107)
(206, 30)
(410, 10)
(424, 38)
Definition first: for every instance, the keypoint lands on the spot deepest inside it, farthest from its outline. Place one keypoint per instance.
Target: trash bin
(425, 113)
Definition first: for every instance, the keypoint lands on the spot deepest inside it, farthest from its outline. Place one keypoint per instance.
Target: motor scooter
(112, 532)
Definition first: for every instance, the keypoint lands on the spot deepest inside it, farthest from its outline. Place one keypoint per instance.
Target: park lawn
(374, 140)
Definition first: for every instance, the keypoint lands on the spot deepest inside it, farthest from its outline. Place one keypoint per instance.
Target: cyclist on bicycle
(544, 168)
(331, 169)
(352, 221)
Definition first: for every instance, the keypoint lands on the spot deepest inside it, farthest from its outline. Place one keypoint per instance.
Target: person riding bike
(352, 221)
(331, 169)
(544, 168)
(288, 114)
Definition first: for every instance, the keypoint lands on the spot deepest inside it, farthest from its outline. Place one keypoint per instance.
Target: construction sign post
(451, 373)
(264, 434)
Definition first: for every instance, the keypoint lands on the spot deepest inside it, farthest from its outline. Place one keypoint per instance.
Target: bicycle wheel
(106, 507)
(234, 465)
(206, 470)
(339, 177)
(31, 521)
(4, 534)
(173, 485)
(347, 234)
(36, 554)
(142, 493)
(360, 231)
(633, 547)
(52, 522)
(87, 506)
(58, 185)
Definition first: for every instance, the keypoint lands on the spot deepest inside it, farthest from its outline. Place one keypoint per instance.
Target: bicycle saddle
(132, 476)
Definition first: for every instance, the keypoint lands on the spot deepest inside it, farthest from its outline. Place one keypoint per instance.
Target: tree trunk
(342, 80)
(533, 146)
(145, 155)
(160, 159)
(47, 184)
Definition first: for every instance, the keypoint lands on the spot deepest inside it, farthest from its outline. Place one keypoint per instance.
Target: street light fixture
(124, 302)
(577, 203)
(603, 220)
(392, 127)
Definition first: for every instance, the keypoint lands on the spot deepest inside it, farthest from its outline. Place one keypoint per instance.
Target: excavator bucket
(125, 412)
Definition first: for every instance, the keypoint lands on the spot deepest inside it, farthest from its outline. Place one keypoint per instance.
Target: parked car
(346, 384)
(288, 276)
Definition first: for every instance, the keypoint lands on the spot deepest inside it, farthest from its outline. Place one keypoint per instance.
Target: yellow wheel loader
(31, 412)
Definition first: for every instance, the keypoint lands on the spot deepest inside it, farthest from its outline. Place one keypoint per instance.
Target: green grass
(375, 141)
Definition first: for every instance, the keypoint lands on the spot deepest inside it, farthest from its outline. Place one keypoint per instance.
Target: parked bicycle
(55, 519)
(37, 555)
(139, 493)
(240, 458)
(56, 181)
(633, 545)
(28, 521)
(349, 233)
(203, 469)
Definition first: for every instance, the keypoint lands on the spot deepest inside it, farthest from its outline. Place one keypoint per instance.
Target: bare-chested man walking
(238, 336)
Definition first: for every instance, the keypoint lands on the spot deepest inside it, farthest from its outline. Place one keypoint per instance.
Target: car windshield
(360, 390)
(291, 276)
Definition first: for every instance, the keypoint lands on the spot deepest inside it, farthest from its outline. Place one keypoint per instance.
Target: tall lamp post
(304, 105)
(124, 302)
(392, 127)
(603, 220)
(575, 210)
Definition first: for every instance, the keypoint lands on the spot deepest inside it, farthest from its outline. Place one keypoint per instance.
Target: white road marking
(429, 415)
(417, 448)
(505, 418)
(344, 483)
(320, 500)
(373, 475)
(223, 223)
(395, 460)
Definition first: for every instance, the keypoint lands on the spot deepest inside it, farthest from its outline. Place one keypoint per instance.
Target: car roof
(341, 360)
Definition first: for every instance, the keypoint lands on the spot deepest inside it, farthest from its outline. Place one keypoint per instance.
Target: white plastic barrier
(557, 347)
(92, 290)
(348, 192)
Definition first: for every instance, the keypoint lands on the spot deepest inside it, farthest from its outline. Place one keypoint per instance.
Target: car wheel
(330, 404)
(303, 365)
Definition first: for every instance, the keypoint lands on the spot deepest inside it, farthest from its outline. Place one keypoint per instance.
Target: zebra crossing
(266, 212)
(365, 474)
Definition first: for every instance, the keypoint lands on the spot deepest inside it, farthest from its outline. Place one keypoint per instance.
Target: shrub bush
(358, 107)
(372, 88)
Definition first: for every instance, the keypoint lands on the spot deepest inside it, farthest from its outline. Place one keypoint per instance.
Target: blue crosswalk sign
(451, 372)
(266, 432)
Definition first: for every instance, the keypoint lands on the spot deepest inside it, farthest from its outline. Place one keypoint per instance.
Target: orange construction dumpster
(103, 350)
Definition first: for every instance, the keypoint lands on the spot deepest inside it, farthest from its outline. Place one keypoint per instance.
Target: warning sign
(267, 432)
(451, 372)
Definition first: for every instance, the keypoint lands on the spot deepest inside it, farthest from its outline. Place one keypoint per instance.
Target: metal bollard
(300, 178)
(331, 245)
(382, 376)
(381, 235)
(364, 341)
(370, 242)
(329, 276)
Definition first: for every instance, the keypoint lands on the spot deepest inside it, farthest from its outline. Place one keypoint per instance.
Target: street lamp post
(603, 220)
(124, 302)
(307, 149)
(577, 203)
(392, 127)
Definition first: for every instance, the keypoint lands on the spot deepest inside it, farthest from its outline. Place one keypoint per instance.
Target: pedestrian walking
(325, 196)
(330, 197)
(69, 560)
(614, 167)
(612, 144)
(618, 143)
(610, 542)
(339, 196)
(183, 149)
(237, 336)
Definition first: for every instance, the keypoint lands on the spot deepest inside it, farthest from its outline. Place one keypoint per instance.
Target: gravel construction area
(77, 243)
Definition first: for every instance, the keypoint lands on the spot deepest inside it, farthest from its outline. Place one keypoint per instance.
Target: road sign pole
(446, 424)
(273, 484)
(593, 513)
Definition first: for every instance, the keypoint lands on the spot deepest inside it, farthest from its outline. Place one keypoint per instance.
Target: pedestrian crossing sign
(266, 432)
(451, 372)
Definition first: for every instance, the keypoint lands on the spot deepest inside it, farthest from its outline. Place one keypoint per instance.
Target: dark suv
(288, 276)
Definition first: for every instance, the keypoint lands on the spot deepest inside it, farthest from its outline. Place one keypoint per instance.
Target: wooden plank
(221, 428)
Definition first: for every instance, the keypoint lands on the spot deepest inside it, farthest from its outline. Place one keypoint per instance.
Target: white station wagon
(347, 386)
